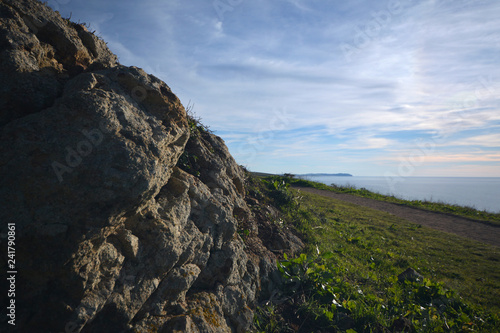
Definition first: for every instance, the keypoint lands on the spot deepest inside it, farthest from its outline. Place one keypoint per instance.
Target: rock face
(111, 234)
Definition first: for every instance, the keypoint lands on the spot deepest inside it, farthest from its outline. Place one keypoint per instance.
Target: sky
(392, 88)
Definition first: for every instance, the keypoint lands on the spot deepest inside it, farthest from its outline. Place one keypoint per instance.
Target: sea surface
(482, 193)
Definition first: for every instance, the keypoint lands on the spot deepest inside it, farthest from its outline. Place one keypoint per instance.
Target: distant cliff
(126, 212)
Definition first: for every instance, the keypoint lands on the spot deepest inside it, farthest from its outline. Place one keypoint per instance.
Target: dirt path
(457, 225)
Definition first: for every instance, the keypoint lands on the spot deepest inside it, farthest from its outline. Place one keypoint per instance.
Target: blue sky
(374, 88)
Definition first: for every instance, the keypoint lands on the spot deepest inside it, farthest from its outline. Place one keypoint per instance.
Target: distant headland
(264, 174)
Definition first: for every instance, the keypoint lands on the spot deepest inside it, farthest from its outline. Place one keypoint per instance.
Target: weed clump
(188, 161)
(317, 294)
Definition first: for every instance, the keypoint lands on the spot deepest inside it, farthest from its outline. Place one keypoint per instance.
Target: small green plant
(244, 233)
(278, 188)
(188, 163)
(333, 300)
(268, 320)
(199, 136)
(194, 122)
(68, 20)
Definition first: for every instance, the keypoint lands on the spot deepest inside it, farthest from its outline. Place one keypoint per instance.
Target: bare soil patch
(473, 229)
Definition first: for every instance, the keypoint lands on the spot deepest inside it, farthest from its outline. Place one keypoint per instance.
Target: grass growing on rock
(188, 161)
(347, 279)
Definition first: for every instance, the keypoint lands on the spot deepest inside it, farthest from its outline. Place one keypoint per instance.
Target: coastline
(478, 230)
(474, 192)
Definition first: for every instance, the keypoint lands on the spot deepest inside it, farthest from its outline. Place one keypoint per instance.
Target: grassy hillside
(347, 278)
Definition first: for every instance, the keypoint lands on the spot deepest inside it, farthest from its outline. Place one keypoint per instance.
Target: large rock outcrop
(111, 234)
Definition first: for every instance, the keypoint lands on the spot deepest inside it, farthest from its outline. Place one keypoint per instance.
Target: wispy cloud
(488, 140)
(420, 70)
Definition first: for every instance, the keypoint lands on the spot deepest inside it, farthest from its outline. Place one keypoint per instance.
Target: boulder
(410, 275)
(112, 235)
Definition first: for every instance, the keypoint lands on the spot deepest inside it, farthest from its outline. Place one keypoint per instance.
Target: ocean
(482, 193)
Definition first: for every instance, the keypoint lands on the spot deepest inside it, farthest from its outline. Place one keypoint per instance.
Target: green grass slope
(347, 279)
(441, 207)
